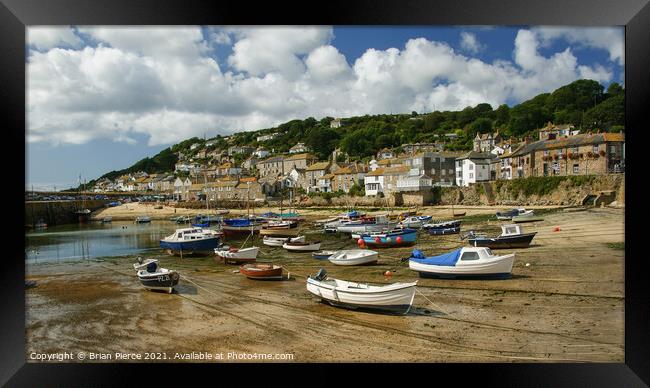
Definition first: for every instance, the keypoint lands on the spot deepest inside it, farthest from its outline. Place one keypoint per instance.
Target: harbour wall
(57, 212)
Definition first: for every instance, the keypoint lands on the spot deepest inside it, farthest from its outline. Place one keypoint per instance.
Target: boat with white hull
(279, 241)
(466, 261)
(154, 277)
(397, 297)
(236, 256)
(302, 246)
(354, 257)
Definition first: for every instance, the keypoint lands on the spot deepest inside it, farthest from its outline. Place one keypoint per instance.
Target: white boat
(507, 215)
(302, 246)
(354, 257)
(279, 241)
(190, 240)
(234, 255)
(360, 227)
(322, 255)
(466, 261)
(397, 297)
(153, 277)
(442, 224)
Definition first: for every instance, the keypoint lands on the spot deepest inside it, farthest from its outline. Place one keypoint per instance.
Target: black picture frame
(15, 15)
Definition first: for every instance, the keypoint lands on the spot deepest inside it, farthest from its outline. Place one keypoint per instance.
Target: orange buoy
(557, 229)
(388, 273)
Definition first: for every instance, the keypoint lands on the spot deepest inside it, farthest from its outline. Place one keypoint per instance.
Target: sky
(102, 98)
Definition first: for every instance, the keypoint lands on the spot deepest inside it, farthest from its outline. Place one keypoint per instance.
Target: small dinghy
(396, 298)
(353, 257)
(237, 256)
(414, 221)
(279, 241)
(443, 231)
(466, 261)
(442, 224)
(107, 220)
(322, 255)
(261, 271)
(512, 236)
(142, 219)
(302, 246)
(153, 277)
(507, 215)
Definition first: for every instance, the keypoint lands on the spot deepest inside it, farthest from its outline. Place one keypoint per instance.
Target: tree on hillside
(322, 141)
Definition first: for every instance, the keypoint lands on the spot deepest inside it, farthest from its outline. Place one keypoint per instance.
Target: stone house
(271, 167)
(299, 161)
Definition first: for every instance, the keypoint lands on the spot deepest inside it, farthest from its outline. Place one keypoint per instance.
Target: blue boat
(442, 231)
(234, 226)
(190, 240)
(395, 238)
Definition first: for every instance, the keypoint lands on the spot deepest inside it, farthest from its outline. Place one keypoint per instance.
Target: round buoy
(360, 242)
(557, 229)
(399, 239)
(388, 273)
(377, 240)
(388, 239)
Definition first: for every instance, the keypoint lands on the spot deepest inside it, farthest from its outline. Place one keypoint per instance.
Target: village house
(298, 148)
(228, 169)
(250, 163)
(225, 189)
(246, 150)
(392, 175)
(374, 182)
(195, 146)
(485, 142)
(269, 185)
(336, 123)
(266, 137)
(295, 178)
(324, 183)
(271, 167)
(261, 153)
(553, 131)
(166, 184)
(300, 161)
(421, 182)
(315, 171)
(346, 177)
(385, 153)
(249, 189)
(410, 149)
(581, 154)
(182, 189)
(475, 167)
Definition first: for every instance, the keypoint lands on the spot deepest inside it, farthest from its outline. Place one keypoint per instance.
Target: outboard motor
(320, 275)
(152, 267)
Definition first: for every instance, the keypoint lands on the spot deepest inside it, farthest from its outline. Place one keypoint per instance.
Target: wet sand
(563, 303)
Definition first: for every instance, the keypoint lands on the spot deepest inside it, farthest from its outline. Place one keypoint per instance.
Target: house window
(471, 166)
(460, 174)
(595, 148)
(471, 175)
(612, 149)
(576, 169)
(451, 172)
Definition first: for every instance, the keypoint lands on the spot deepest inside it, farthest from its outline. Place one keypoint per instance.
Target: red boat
(261, 271)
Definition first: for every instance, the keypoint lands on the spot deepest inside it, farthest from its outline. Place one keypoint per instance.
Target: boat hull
(443, 231)
(521, 219)
(203, 245)
(519, 241)
(247, 255)
(240, 230)
(394, 298)
(159, 281)
(261, 271)
(389, 240)
(500, 266)
(300, 247)
(351, 257)
(287, 232)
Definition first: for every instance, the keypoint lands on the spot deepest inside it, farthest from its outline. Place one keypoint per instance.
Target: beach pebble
(527, 264)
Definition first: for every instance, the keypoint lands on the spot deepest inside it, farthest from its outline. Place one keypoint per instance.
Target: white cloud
(47, 37)
(611, 39)
(163, 83)
(470, 43)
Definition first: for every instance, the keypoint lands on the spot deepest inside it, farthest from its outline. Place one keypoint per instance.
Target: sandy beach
(563, 303)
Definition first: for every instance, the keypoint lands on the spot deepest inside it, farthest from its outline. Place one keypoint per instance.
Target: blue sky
(100, 99)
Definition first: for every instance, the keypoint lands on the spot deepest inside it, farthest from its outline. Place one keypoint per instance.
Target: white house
(195, 146)
(336, 123)
(261, 153)
(267, 137)
(182, 188)
(298, 148)
(374, 182)
(414, 183)
(373, 165)
(475, 167)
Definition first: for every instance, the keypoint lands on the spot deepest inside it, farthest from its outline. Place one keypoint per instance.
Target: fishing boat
(191, 240)
(443, 231)
(466, 261)
(527, 218)
(261, 271)
(397, 297)
(394, 238)
(240, 226)
(442, 224)
(107, 220)
(322, 255)
(302, 246)
(40, 224)
(366, 225)
(512, 236)
(507, 215)
(183, 219)
(237, 256)
(83, 215)
(154, 277)
(142, 219)
(414, 221)
(354, 257)
(279, 241)
(342, 219)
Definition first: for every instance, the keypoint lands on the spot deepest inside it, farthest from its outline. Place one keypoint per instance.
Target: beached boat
(414, 221)
(40, 224)
(154, 277)
(367, 225)
(527, 218)
(397, 297)
(241, 226)
(507, 215)
(394, 238)
(443, 231)
(191, 240)
(466, 261)
(512, 236)
(302, 246)
(236, 256)
(142, 219)
(261, 271)
(442, 224)
(354, 257)
(107, 220)
(183, 219)
(83, 215)
(322, 255)
(279, 241)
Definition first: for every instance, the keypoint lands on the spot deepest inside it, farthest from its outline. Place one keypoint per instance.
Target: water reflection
(88, 241)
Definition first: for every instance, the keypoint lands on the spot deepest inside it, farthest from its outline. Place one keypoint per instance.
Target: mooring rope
(433, 304)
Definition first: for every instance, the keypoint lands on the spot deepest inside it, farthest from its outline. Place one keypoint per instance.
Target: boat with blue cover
(394, 238)
(191, 240)
(239, 226)
(466, 261)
